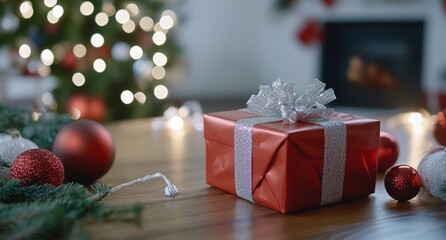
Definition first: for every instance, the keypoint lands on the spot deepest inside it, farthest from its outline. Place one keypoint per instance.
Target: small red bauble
(69, 62)
(86, 149)
(87, 106)
(402, 182)
(38, 166)
(440, 128)
(388, 151)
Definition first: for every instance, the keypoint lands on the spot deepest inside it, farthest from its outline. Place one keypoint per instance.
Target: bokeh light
(97, 40)
(175, 123)
(161, 92)
(146, 23)
(158, 72)
(136, 52)
(166, 22)
(109, 8)
(122, 16)
(87, 8)
(58, 11)
(159, 59)
(159, 38)
(132, 9)
(51, 18)
(129, 26)
(78, 79)
(101, 19)
(25, 51)
(127, 97)
(79, 50)
(26, 9)
(50, 3)
(47, 57)
(140, 97)
(99, 65)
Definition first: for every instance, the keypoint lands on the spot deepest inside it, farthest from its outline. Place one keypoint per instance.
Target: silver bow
(281, 101)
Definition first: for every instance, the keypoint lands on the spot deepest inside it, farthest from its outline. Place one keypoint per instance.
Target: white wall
(230, 47)
(435, 53)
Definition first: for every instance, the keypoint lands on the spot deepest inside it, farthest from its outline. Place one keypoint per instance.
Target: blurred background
(110, 60)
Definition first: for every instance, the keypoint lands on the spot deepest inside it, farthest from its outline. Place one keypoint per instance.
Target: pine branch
(37, 221)
(47, 212)
(443, 189)
(101, 191)
(14, 192)
(42, 131)
(13, 117)
(3, 163)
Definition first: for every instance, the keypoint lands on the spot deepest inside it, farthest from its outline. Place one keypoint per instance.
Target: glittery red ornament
(11, 148)
(440, 128)
(86, 149)
(402, 182)
(38, 166)
(388, 151)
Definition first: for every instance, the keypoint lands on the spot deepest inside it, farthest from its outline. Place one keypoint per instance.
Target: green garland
(41, 131)
(443, 189)
(48, 212)
(45, 211)
(3, 163)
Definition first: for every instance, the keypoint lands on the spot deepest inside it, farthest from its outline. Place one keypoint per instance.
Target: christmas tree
(110, 57)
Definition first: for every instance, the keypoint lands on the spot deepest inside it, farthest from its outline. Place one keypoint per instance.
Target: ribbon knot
(280, 100)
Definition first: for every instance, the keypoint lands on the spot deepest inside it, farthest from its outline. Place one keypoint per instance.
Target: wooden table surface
(203, 212)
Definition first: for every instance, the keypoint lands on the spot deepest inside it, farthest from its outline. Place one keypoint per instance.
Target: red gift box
(288, 159)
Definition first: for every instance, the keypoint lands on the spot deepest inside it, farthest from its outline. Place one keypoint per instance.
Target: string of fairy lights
(129, 18)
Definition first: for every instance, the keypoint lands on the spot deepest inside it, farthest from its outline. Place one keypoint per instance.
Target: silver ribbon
(243, 154)
(279, 102)
(335, 145)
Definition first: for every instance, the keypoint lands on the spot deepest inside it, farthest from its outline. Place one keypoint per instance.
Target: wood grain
(203, 212)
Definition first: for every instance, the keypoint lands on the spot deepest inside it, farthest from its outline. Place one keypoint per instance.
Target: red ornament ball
(69, 62)
(402, 182)
(37, 166)
(87, 106)
(86, 149)
(388, 151)
(440, 128)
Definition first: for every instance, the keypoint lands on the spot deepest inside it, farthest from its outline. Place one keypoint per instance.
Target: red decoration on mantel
(440, 128)
(310, 32)
(329, 3)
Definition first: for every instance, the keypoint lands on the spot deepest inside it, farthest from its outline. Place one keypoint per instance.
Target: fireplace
(374, 64)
